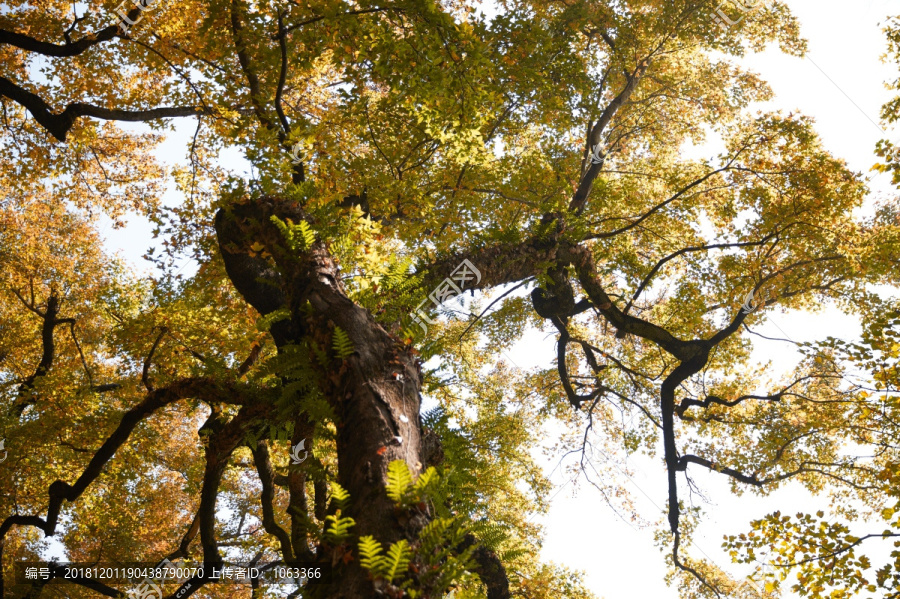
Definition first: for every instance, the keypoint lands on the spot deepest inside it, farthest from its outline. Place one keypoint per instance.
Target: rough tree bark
(374, 392)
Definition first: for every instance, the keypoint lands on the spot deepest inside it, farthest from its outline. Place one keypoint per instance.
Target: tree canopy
(539, 146)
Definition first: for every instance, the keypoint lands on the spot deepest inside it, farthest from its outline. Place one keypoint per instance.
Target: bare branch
(87, 371)
(492, 192)
(266, 477)
(843, 549)
(238, 11)
(26, 395)
(145, 372)
(246, 365)
(316, 19)
(684, 460)
(681, 252)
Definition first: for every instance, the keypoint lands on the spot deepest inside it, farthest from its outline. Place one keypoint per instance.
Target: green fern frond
(435, 417)
(512, 554)
(340, 496)
(296, 388)
(427, 482)
(397, 278)
(432, 537)
(316, 406)
(490, 535)
(321, 355)
(396, 562)
(399, 480)
(280, 432)
(265, 322)
(337, 529)
(307, 235)
(299, 237)
(251, 438)
(282, 227)
(341, 344)
(453, 570)
(370, 556)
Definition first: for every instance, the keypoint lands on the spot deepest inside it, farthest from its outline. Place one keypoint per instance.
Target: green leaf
(337, 529)
(299, 237)
(399, 480)
(427, 481)
(341, 344)
(264, 324)
(396, 562)
(370, 552)
(307, 235)
(340, 496)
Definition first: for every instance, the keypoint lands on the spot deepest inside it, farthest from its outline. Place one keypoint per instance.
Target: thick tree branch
(684, 460)
(670, 450)
(499, 264)
(676, 559)
(490, 569)
(684, 404)
(267, 477)
(561, 349)
(297, 503)
(579, 199)
(145, 371)
(224, 439)
(252, 357)
(582, 259)
(58, 125)
(374, 390)
(183, 550)
(49, 323)
(241, 45)
(68, 49)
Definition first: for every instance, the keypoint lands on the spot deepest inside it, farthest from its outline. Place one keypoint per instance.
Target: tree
(397, 148)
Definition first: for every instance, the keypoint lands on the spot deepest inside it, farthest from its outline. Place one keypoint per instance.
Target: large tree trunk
(374, 392)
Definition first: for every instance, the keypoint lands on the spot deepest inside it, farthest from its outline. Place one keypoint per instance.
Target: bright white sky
(840, 84)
